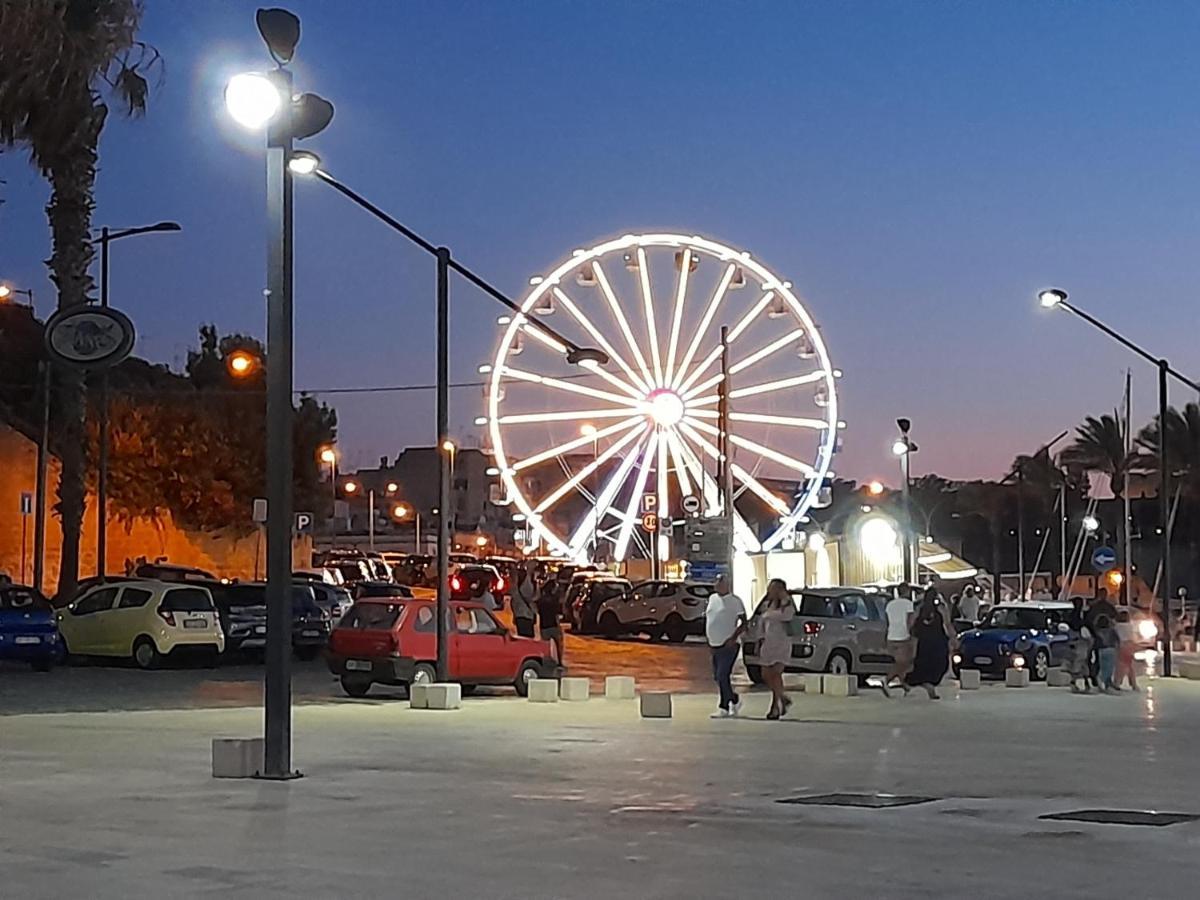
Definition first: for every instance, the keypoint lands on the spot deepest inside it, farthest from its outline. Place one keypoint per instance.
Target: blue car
(1016, 635)
(28, 628)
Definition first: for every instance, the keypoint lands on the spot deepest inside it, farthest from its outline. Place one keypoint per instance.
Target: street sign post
(26, 512)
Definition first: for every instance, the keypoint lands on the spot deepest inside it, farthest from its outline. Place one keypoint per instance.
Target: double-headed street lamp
(1055, 298)
(904, 448)
(106, 237)
(351, 487)
(8, 291)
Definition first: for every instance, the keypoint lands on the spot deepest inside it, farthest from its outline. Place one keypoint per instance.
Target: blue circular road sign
(1104, 558)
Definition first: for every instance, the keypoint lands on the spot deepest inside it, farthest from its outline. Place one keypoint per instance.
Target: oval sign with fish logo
(89, 337)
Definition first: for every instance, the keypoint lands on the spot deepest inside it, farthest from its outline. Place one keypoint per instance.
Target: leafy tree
(62, 61)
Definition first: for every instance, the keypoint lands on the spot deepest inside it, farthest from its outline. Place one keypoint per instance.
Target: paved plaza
(504, 798)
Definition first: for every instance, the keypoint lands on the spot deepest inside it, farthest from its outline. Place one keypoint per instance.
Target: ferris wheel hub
(665, 407)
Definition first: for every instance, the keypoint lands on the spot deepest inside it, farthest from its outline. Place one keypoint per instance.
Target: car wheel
(839, 663)
(755, 673)
(356, 685)
(424, 673)
(145, 654)
(1041, 666)
(676, 629)
(609, 626)
(528, 672)
(307, 654)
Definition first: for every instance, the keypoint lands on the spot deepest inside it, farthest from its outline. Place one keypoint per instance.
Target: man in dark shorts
(550, 612)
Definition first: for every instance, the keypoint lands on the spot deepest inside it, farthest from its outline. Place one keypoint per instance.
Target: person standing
(549, 612)
(1079, 649)
(524, 598)
(933, 631)
(969, 604)
(724, 622)
(1127, 635)
(899, 613)
(1106, 652)
(776, 648)
(1100, 606)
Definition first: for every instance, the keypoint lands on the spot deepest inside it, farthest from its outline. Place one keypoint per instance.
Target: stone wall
(232, 557)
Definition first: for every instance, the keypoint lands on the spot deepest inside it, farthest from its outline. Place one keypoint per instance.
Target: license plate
(26, 639)
(260, 629)
(195, 623)
(358, 665)
(983, 660)
(310, 634)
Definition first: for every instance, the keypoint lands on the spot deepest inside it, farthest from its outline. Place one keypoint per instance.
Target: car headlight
(1147, 630)
(1018, 661)
(957, 658)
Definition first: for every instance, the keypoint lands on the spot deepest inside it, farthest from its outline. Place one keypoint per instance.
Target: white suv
(656, 608)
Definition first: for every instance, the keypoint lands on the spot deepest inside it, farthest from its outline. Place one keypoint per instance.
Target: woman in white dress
(776, 647)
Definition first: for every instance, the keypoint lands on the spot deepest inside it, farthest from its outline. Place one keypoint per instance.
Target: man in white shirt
(724, 622)
(899, 613)
(968, 604)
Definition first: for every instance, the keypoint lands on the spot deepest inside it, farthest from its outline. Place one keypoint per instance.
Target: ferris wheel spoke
(749, 317)
(704, 385)
(583, 534)
(713, 356)
(570, 306)
(711, 311)
(748, 480)
(768, 386)
(553, 343)
(573, 387)
(648, 308)
(639, 487)
(622, 322)
(770, 419)
(741, 531)
(609, 452)
(685, 269)
(580, 415)
(664, 543)
(782, 458)
(764, 352)
(681, 475)
(576, 443)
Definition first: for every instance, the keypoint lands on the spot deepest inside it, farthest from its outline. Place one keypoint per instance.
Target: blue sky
(917, 170)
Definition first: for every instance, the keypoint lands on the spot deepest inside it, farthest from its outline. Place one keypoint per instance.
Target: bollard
(840, 685)
(620, 687)
(969, 679)
(574, 688)
(237, 757)
(543, 690)
(1058, 678)
(443, 696)
(812, 683)
(656, 705)
(1188, 670)
(418, 697)
(1017, 678)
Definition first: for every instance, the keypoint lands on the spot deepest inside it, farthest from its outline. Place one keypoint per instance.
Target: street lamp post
(267, 102)
(306, 163)
(7, 291)
(329, 457)
(904, 448)
(106, 238)
(589, 430)
(1055, 298)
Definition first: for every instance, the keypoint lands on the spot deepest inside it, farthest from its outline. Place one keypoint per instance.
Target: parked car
(838, 630)
(324, 575)
(466, 577)
(334, 600)
(144, 620)
(656, 608)
(169, 572)
(463, 559)
(365, 589)
(243, 611)
(28, 627)
(410, 569)
(585, 597)
(506, 567)
(386, 641)
(1016, 635)
(353, 570)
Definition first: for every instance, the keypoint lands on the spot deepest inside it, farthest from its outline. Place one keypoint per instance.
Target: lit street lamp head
(588, 357)
(350, 487)
(328, 455)
(399, 512)
(900, 447)
(252, 100)
(5, 291)
(241, 363)
(1051, 297)
(304, 162)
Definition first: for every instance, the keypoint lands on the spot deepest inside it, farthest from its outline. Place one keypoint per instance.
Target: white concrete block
(418, 696)
(1058, 678)
(620, 687)
(543, 690)
(1017, 678)
(237, 757)
(574, 688)
(656, 705)
(1189, 670)
(812, 683)
(969, 679)
(443, 696)
(839, 685)
(948, 689)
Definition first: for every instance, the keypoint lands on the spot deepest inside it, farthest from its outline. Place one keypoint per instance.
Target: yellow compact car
(143, 620)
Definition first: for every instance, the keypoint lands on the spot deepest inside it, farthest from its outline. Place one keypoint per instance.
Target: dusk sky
(917, 170)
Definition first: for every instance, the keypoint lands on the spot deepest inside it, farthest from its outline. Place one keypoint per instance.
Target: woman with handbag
(776, 648)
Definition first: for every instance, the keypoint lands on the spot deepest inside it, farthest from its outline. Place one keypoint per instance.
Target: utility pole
(443, 436)
(39, 490)
(1164, 504)
(102, 455)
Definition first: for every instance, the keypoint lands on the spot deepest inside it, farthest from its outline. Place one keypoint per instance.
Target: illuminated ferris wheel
(578, 450)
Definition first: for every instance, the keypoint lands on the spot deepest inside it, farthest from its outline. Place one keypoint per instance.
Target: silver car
(656, 608)
(838, 630)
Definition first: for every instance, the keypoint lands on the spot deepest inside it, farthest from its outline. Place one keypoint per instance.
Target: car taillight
(167, 616)
(813, 627)
(499, 584)
(395, 644)
(455, 583)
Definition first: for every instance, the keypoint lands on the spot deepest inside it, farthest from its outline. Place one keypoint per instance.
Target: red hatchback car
(394, 641)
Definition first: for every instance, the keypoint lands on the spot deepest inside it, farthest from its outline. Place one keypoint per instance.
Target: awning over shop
(935, 558)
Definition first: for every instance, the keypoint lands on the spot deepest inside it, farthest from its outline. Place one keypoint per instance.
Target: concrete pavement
(508, 799)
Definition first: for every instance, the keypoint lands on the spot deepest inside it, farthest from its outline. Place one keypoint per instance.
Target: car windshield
(187, 600)
(1011, 617)
(372, 616)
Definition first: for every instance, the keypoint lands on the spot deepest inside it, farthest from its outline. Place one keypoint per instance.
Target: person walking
(549, 613)
(1126, 629)
(934, 632)
(1107, 643)
(1100, 606)
(776, 648)
(899, 614)
(524, 599)
(1079, 649)
(724, 622)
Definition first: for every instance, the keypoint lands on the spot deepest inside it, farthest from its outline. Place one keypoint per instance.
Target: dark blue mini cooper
(1016, 635)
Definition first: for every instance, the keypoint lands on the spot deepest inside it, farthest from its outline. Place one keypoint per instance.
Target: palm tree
(1100, 447)
(61, 59)
(1183, 460)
